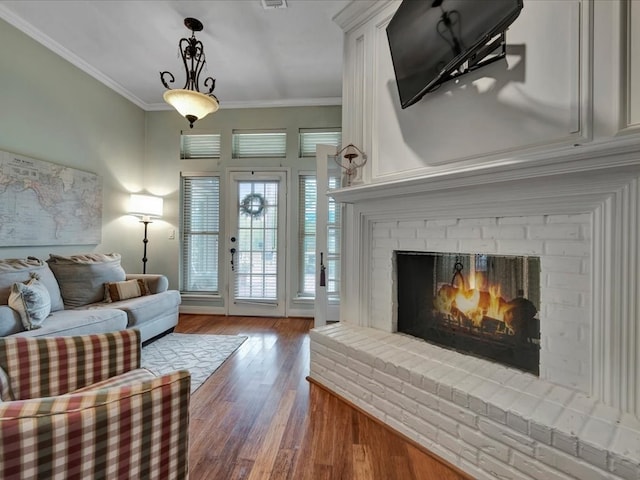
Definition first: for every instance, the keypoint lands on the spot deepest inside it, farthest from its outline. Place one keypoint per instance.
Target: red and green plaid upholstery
(128, 378)
(118, 431)
(50, 366)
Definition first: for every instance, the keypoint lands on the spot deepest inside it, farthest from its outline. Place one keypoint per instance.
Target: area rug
(200, 354)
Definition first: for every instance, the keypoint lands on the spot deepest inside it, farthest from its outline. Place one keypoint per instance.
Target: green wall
(163, 167)
(52, 111)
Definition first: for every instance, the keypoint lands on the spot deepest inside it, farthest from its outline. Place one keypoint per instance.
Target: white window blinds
(259, 144)
(199, 145)
(200, 234)
(307, 198)
(334, 234)
(310, 137)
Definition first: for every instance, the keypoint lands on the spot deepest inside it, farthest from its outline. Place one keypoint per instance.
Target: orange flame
(477, 301)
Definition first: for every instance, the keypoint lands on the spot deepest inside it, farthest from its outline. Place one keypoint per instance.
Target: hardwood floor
(258, 417)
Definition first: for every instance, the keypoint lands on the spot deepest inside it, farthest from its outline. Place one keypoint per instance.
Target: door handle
(323, 275)
(233, 252)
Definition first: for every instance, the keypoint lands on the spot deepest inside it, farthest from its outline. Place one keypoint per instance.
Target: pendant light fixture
(188, 100)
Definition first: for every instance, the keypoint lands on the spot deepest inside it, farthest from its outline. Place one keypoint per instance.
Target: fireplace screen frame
(511, 338)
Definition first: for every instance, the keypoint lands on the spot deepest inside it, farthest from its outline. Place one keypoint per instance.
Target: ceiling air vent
(268, 4)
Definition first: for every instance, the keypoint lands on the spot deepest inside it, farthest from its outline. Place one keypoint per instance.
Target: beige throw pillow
(32, 301)
(116, 291)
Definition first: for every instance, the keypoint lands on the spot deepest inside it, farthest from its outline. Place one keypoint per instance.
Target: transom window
(199, 145)
(310, 137)
(259, 144)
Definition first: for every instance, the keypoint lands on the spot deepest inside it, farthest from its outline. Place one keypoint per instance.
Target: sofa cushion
(116, 291)
(82, 277)
(14, 270)
(142, 309)
(66, 323)
(10, 321)
(32, 301)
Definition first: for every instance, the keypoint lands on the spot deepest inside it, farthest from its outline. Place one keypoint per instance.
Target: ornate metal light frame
(350, 152)
(188, 100)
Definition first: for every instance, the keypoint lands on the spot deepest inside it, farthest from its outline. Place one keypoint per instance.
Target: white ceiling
(273, 57)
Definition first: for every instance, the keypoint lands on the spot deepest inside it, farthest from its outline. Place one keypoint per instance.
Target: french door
(256, 243)
(328, 238)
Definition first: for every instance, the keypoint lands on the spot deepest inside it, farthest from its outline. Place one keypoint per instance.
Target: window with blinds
(307, 201)
(334, 235)
(310, 137)
(199, 145)
(259, 144)
(200, 234)
(307, 198)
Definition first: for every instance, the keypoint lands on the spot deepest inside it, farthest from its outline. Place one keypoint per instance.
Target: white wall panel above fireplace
(562, 83)
(529, 99)
(633, 69)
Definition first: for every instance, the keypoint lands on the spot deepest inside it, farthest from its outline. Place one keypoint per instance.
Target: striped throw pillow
(116, 291)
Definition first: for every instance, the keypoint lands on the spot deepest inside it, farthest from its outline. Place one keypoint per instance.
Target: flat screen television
(436, 40)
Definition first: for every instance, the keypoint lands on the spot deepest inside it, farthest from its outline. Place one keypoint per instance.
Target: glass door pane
(257, 252)
(255, 246)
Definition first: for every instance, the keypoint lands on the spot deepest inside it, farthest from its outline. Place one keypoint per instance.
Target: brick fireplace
(577, 211)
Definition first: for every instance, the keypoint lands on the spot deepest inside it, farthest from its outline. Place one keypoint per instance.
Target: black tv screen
(431, 39)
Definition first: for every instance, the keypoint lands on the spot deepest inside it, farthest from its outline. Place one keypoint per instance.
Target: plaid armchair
(81, 408)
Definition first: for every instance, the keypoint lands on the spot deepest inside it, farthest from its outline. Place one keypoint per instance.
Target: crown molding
(294, 102)
(69, 56)
(358, 12)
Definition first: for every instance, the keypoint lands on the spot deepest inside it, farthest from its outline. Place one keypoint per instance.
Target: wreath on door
(252, 205)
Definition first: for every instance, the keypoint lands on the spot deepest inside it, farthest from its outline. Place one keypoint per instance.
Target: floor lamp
(146, 207)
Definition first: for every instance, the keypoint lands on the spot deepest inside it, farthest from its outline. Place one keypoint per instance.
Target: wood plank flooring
(258, 418)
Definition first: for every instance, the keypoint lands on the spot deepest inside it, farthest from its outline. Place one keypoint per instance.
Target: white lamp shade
(145, 205)
(190, 102)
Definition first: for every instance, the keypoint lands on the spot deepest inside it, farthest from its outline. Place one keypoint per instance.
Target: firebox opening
(483, 305)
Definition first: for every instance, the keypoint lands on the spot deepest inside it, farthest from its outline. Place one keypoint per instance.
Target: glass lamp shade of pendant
(191, 104)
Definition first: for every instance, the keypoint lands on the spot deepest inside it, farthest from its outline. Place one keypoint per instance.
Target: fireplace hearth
(482, 305)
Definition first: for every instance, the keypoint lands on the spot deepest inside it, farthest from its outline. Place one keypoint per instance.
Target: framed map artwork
(42, 203)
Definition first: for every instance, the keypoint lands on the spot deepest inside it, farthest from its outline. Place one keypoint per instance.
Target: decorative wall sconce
(350, 167)
(188, 100)
(146, 207)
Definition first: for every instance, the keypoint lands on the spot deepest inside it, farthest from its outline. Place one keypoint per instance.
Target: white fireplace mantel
(577, 162)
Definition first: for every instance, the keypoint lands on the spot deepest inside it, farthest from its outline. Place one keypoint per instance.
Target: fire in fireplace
(484, 305)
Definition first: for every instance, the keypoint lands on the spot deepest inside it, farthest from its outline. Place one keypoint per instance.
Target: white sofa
(76, 287)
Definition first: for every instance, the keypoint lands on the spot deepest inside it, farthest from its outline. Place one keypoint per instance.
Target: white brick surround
(579, 212)
(563, 243)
